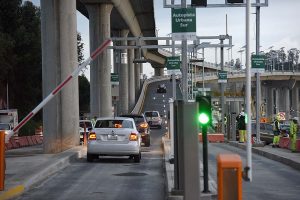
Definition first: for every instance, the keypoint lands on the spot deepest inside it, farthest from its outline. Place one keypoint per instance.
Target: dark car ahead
(266, 132)
(142, 126)
(161, 88)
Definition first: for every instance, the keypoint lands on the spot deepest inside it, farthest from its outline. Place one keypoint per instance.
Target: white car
(114, 136)
(153, 118)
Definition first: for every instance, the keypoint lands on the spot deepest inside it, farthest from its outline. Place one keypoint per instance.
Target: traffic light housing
(199, 3)
(204, 110)
(235, 1)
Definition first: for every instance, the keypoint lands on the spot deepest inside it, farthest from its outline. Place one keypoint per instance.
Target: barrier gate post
(2, 159)
(229, 177)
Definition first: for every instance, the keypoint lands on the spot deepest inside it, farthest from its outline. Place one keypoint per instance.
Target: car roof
(132, 115)
(151, 111)
(84, 120)
(113, 118)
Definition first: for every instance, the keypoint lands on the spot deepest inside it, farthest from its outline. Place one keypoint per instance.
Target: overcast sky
(279, 25)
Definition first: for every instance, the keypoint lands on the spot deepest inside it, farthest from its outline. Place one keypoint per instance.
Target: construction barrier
(217, 137)
(284, 142)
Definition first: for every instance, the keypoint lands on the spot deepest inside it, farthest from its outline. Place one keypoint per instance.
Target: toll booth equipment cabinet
(229, 177)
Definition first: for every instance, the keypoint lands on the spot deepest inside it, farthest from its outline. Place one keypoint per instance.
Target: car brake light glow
(144, 125)
(92, 136)
(133, 137)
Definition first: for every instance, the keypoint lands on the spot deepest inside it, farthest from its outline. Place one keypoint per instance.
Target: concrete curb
(61, 162)
(169, 171)
(284, 160)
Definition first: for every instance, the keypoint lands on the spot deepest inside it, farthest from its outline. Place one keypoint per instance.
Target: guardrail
(241, 74)
(139, 104)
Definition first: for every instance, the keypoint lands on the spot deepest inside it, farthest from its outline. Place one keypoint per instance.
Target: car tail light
(92, 136)
(133, 137)
(144, 125)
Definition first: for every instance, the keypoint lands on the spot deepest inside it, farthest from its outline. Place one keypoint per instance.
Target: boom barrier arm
(75, 73)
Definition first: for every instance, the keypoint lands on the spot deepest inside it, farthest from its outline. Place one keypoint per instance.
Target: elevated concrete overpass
(280, 90)
(137, 16)
(107, 18)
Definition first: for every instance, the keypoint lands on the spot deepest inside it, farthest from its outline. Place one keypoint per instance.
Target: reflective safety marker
(75, 73)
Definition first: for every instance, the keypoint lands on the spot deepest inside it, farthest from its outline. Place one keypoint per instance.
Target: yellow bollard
(229, 177)
(2, 159)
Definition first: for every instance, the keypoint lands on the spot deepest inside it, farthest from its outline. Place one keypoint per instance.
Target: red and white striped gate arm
(75, 73)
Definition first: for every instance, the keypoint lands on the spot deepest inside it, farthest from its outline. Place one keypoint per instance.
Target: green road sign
(258, 63)
(114, 78)
(222, 77)
(173, 62)
(183, 23)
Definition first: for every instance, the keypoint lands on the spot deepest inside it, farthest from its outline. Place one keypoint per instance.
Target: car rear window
(4, 127)
(137, 119)
(87, 124)
(151, 114)
(113, 124)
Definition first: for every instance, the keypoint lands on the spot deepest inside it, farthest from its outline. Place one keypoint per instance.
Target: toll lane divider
(57, 163)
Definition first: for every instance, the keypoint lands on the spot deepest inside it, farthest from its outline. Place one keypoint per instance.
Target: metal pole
(173, 73)
(204, 92)
(2, 159)
(222, 85)
(7, 99)
(184, 63)
(171, 102)
(205, 158)
(258, 86)
(216, 56)
(248, 93)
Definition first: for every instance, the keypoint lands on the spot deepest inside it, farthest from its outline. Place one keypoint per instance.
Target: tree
(84, 85)
(8, 24)
(84, 94)
(80, 48)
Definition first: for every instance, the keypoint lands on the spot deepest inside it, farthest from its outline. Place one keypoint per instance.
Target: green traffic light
(203, 118)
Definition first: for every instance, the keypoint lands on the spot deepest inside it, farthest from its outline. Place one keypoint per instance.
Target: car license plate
(112, 137)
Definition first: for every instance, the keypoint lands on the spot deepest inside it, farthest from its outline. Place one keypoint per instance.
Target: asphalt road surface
(113, 178)
(271, 180)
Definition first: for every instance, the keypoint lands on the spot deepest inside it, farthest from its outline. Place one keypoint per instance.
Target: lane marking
(12, 192)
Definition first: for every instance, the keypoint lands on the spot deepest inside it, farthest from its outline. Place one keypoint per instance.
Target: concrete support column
(99, 22)
(295, 101)
(270, 102)
(285, 100)
(117, 60)
(277, 100)
(131, 79)
(59, 60)
(123, 76)
(158, 71)
(137, 71)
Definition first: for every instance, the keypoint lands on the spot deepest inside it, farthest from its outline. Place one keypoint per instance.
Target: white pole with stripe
(99, 50)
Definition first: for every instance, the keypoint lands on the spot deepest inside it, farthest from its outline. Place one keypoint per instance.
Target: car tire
(90, 157)
(137, 158)
(147, 142)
